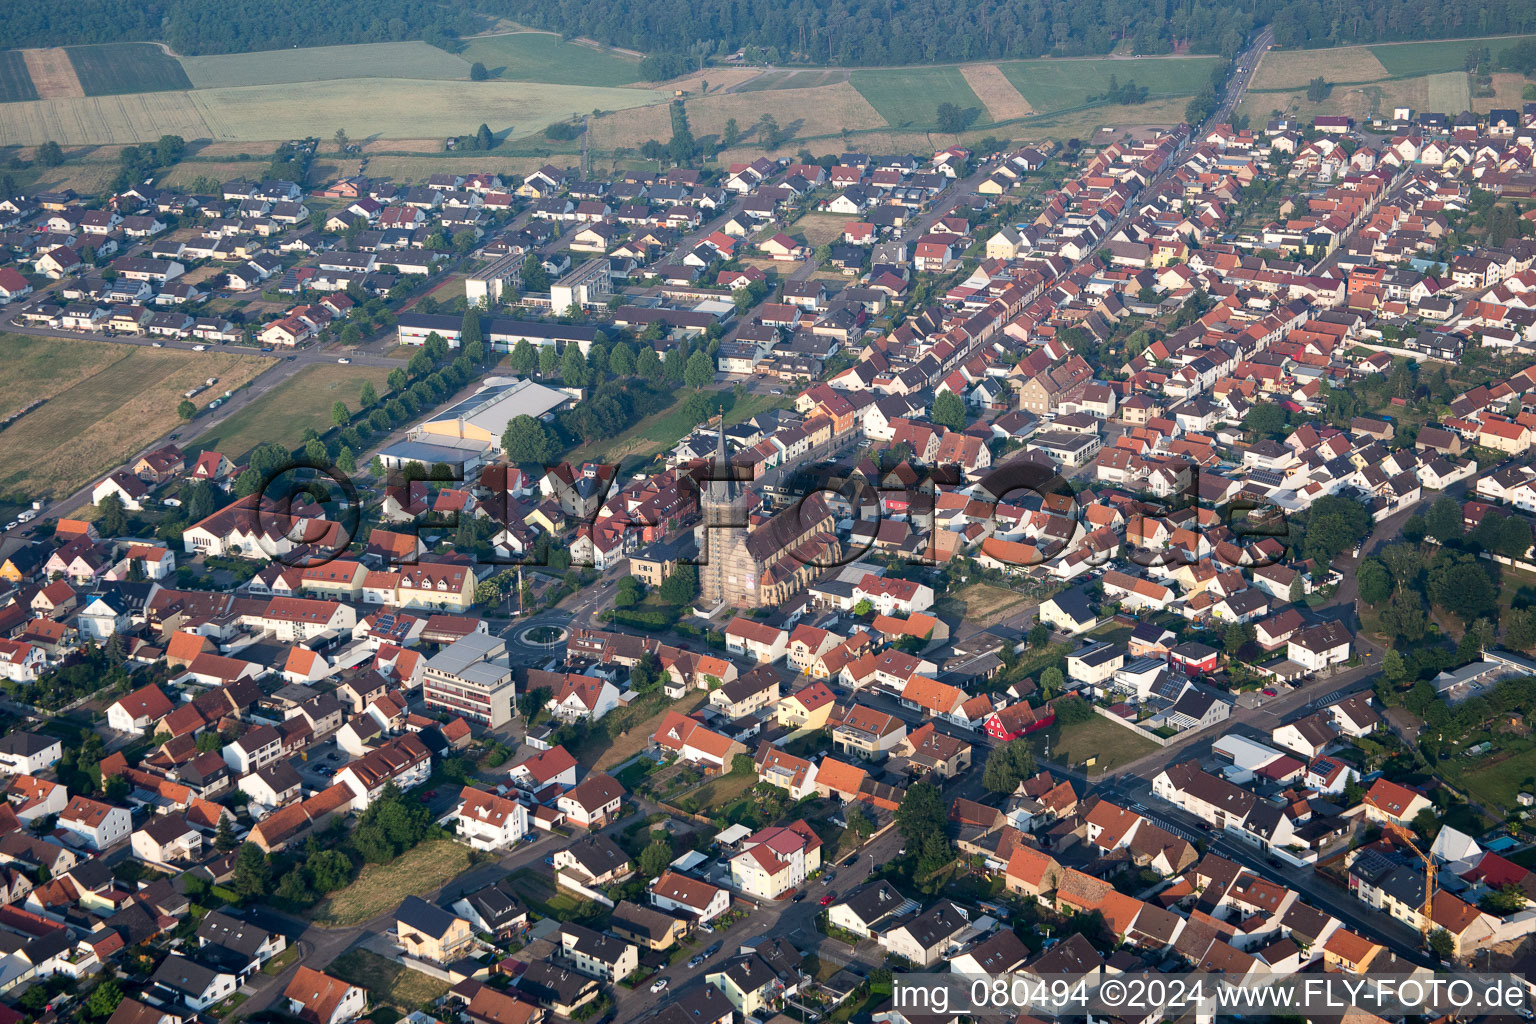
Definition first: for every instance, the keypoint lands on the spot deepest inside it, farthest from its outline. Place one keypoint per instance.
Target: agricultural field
(110, 69)
(1001, 98)
(1449, 91)
(15, 81)
(909, 97)
(1293, 69)
(105, 402)
(1059, 84)
(301, 402)
(323, 63)
(110, 120)
(1432, 57)
(542, 57)
(52, 73)
(793, 80)
(821, 110)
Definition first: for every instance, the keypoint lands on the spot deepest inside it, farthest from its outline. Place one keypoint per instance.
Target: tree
(1375, 581)
(949, 411)
(339, 414)
(549, 360)
(681, 586)
(1404, 617)
(1039, 633)
(478, 73)
(648, 365)
(1441, 944)
(921, 812)
(185, 409)
(396, 379)
(1509, 899)
(621, 361)
(341, 140)
(351, 335)
(1520, 629)
(1008, 765)
(1443, 520)
(1234, 638)
(249, 482)
(1464, 590)
(1265, 419)
(113, 517)
(484, 139)
(655, 858)
(573, 367)
(104, 999)
(253, 874)
(1393, 666)
(224, 840)
(528, 440)
(1072, 710)
(699, 371)
(1317, 90)
(469, 329)
(524, 359)
(731, 134)
(1051, 682)
(950, 118)
(50, 154)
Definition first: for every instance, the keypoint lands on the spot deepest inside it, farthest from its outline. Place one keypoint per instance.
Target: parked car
(826, 900)
(696, 961)
(658, 984)
(711, 951)
(343, 359)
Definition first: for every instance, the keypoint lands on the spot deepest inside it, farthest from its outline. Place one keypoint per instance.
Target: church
(754, 561)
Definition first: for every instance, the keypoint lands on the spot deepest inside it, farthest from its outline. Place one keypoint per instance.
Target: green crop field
(909, 98)
(1449, 91)
(323, 63)
(539, 57)
(15, 81)
(1434, 57)
(111, 69)
(1051, 85)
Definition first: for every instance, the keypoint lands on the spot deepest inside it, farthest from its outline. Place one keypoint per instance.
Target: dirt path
(52, 73)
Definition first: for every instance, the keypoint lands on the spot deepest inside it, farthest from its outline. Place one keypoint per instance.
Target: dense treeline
(862, 32)
(874, 32)
(232, 26)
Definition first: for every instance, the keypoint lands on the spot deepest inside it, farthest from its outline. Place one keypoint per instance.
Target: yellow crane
(1406, 838)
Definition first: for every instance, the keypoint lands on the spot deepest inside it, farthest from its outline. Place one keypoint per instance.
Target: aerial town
(1082, 559)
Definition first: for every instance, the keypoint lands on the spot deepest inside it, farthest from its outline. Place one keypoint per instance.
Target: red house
(1195, 658)
(1017, 720)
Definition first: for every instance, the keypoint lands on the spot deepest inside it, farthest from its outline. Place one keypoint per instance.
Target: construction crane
(1426, 913)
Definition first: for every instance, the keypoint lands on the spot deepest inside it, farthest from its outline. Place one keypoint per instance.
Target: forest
(856, 32)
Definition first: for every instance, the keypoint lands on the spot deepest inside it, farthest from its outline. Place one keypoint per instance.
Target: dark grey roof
(26, 744)
(425, 917)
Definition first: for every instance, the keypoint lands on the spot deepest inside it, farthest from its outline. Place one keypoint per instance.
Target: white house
(490, 822)
(322, 999)
(97, 823)
(776, 859)
(1319, 646)
(27, 753)
(678, 893)
(581, 698)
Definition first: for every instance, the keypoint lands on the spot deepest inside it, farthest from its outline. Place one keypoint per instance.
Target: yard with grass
(1496, 778)
(103, 404)
(820, 228)
(658, 432)
(381, 887)
(1112, 745)
(635, 738)
(283, 414)
(542, 57)
(983, 604)
(113, 69)
(910, 97)
(387, 982)
(547, 899)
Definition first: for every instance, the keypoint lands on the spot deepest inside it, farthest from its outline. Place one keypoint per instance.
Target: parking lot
(324, 760)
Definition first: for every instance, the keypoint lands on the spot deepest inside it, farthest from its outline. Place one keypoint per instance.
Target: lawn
(1051, 85)
(387, 982)
(546, 898)
(721, 791)
(323, 63)
(1099, 738)
(104, 403)
(910, 97)
(283, 414)
(112, 69)
(381, 887)
(15, 81)
(820, 228)
(660, 431)
(541, 57)
(1493, 780)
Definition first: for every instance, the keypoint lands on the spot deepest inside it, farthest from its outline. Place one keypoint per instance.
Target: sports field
(1057, 84)
(15, 82)
(105, 402)
(323, 63)
(110, 69)
(910, 97)
(541, 57)
(301, 402)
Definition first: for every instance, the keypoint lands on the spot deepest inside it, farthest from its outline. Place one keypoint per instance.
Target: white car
(172, 503)
(12, 524)
(343, 359)
(157, 344)
(658, 984)
(199, 348)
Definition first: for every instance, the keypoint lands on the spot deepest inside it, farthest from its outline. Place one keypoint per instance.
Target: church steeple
(722, 489)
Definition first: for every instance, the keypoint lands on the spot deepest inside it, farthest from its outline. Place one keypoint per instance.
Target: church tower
(721, 537)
